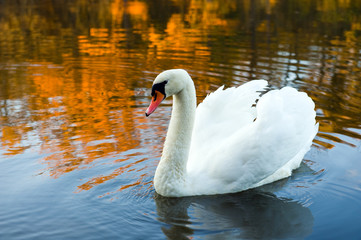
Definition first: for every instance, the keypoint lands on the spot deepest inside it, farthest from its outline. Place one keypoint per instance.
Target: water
(78, 155)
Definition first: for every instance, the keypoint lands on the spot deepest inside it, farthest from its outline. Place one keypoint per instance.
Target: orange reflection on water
(101, 179)
(77, 120)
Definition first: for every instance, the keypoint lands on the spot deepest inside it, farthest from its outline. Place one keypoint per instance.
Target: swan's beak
(157, 98)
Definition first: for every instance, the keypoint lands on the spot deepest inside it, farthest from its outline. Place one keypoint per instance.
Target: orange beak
(157, 98)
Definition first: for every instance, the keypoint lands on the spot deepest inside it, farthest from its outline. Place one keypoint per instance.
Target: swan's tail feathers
(290, 106)
(287, 117)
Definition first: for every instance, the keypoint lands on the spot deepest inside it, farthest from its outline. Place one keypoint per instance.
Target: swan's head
(167, 83)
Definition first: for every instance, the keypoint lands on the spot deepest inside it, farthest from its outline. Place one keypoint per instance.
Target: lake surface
(77, 155)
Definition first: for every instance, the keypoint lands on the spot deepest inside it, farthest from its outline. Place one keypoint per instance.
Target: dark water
(78, 155)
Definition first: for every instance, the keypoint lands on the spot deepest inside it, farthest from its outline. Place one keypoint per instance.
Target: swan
(234, 140)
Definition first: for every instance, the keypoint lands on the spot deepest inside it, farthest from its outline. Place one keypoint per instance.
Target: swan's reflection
(251, 215)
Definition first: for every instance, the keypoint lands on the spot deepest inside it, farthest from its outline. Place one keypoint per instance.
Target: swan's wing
(242, 156)
(219, 115)
(226, 108)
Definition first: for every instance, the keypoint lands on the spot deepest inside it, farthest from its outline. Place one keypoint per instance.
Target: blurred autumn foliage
(72, 73)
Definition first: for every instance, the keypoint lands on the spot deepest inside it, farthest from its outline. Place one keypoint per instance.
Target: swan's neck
(170, 175)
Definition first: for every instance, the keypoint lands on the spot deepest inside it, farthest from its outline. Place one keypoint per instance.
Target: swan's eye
(160, 87)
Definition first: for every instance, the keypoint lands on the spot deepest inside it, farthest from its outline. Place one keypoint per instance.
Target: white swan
(230, 142)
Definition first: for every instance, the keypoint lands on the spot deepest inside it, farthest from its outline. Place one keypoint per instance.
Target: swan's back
(239, 143)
